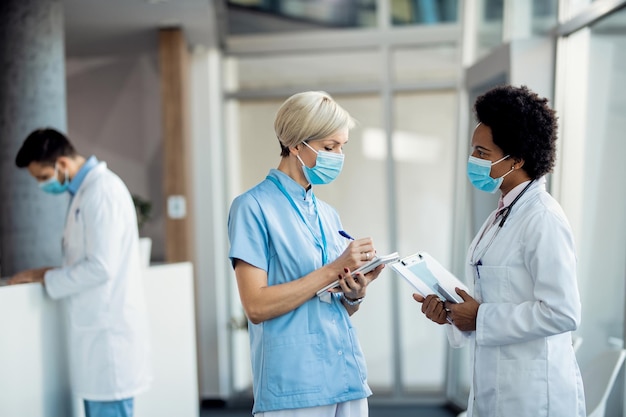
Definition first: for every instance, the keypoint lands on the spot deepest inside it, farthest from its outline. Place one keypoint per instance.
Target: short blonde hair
(309, 116)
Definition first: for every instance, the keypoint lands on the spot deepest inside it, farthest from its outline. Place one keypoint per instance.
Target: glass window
(604, 226)
(489, 31)
(524, 19)
(439, 62)
(360, 197)
(294, 70)
(267, 16)
(591, 179)
(573, 7)
(424, 149)
(424, 12)
(545, 16)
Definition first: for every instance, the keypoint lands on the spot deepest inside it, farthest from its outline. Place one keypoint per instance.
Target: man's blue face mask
(52, 184)
(327, 167)
(478, 172)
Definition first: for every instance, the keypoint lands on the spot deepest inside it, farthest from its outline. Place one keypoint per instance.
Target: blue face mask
(53, 186)
(327, 167)
(478, 172)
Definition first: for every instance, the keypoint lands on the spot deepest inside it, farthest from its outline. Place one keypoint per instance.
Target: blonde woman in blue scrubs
(285, 246)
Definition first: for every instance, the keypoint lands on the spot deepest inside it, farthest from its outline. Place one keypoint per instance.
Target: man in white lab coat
(100, 279)
(522, 268)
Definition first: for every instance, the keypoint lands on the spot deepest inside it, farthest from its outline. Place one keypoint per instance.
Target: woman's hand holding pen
(357, 253)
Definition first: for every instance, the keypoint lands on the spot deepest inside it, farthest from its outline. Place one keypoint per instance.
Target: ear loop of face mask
(502, 159)
(311, 148)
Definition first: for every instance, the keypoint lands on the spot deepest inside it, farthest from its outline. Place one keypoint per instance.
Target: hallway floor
(377, 409)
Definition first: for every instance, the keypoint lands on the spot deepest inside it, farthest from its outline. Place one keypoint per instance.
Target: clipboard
(365, 268)
(428, 276)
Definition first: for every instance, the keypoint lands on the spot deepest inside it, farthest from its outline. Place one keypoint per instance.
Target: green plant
(143, 208)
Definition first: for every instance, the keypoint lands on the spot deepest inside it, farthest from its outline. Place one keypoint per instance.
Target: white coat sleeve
(104, 223)
(553, 305)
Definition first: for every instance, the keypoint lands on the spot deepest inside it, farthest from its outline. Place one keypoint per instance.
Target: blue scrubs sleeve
(248, 232)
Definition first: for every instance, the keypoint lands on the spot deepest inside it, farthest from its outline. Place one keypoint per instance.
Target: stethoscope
(503, 215)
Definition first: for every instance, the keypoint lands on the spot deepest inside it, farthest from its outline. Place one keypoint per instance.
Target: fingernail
(345, 270)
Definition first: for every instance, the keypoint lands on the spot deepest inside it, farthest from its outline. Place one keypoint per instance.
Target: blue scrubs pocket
(294, 365)
(358, 354)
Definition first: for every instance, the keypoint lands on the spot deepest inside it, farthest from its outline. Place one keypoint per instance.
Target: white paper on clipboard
(364, 269)
(428, 276)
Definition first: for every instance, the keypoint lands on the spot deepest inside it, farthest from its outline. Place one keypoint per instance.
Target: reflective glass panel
(424, 12)
(361, 199)
(574, 7)
(544, 16)
(270, 16)
(592, 180)
(424, 151)
(306, 69)
(489, 33)
(439, 62)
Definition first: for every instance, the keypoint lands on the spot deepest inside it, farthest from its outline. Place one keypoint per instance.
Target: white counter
(33, 365)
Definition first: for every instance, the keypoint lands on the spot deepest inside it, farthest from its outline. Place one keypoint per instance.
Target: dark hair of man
(522, 125)
(44, 146)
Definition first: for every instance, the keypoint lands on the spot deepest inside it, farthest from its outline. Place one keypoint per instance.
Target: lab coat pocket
(494, 284)
(530, 350)
(293, 364)
(523, 388)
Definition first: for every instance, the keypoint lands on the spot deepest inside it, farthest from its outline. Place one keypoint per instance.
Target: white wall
(114, 113)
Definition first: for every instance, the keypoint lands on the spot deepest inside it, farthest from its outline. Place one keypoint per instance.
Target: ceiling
(127, 27)
(96, 28)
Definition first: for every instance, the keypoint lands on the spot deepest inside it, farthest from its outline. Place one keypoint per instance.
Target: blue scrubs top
(309, 356)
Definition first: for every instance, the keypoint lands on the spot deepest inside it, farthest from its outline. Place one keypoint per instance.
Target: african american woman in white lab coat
(522, 268)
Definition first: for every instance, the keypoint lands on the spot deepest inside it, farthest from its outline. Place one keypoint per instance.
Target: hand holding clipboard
(427, 276)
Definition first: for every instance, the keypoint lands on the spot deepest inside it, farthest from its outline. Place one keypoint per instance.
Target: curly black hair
(522, 125)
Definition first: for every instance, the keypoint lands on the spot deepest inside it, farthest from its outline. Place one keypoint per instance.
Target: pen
(344, 234)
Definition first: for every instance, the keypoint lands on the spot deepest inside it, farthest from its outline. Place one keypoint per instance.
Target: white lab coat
(523, 361)
(101, 283)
